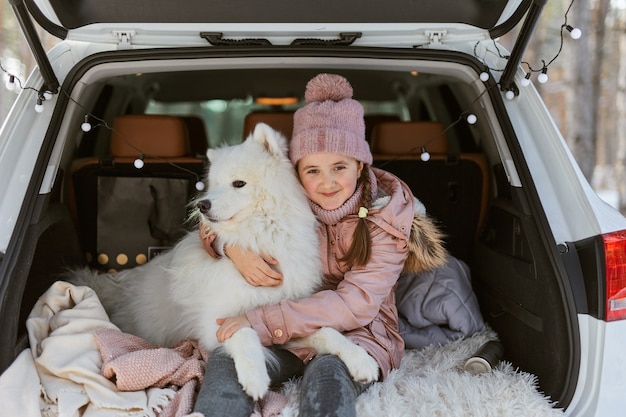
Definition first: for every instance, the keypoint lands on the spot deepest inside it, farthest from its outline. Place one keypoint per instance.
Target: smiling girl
(365, 218)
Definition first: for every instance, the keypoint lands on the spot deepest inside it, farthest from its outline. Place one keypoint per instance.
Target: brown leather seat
(453, 187)
(371, 120)
(407, 139)
(280, 121)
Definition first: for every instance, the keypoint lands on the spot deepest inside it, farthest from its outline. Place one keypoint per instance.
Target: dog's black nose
(204, 206)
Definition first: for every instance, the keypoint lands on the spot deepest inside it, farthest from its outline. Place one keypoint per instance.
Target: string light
(471, 119)
(39, 105)
(10, 85)
(543, 77)
(42, 96)
(86, 126)
(138, 163)
(575, 33)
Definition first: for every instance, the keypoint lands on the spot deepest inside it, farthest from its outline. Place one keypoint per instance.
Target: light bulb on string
(575, 33)
(484, 76)
(424, 155)
(526, 80)
(39, 105)
(509, 94)
(86, 126)
(471, 119)
(10, 85)
(138, 163)
(199, 185)
(543, 77)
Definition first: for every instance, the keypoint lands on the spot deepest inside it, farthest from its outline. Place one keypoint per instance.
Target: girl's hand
(207, 238)
(256, 269)
(229, 325)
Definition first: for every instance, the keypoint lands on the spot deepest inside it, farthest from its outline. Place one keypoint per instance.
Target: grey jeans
(326, 389)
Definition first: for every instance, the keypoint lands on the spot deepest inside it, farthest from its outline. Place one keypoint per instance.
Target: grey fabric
(220, 393)
(438, 306)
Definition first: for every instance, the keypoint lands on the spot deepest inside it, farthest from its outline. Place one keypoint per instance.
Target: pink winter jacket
(357, 301)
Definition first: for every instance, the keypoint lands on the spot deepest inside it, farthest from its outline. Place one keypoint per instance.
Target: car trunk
(517, 272)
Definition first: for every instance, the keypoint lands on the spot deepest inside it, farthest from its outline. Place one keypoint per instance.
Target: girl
(365, 219)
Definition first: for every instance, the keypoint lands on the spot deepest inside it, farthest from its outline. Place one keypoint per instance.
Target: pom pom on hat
(327, 87)
(331, 121)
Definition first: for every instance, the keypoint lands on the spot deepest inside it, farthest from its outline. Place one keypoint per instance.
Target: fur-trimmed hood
(425, 241)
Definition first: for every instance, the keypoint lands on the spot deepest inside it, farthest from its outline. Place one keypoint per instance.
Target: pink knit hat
(331, 121)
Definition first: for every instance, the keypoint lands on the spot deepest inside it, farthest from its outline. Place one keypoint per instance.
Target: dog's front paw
(327, 340)
(253, 378)
(361, 365)
(248, 354)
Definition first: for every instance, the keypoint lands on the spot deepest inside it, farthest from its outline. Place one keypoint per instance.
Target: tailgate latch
(435, 36)
(124, 38)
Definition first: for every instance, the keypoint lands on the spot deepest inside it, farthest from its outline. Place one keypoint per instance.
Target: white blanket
(60, 374)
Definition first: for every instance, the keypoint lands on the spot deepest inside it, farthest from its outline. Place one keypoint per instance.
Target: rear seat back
(280, 121)
(283, 122)
(371, 120)
(453, 187)
(127, 215)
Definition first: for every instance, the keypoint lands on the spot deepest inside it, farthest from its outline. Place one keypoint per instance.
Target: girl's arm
(256, 269)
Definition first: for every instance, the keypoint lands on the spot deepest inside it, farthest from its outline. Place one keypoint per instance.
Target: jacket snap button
(278, 333)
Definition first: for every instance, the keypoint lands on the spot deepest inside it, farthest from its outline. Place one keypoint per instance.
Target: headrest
(371, 120)
(398, 138)
(280, 121)
(149, 134)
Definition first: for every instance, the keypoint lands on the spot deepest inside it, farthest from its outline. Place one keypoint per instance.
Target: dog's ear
(273, 141)
(209, 154)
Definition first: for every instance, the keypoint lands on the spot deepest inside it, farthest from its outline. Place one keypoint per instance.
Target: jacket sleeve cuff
(269, 324)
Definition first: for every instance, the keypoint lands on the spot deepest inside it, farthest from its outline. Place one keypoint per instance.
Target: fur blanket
(431, 382)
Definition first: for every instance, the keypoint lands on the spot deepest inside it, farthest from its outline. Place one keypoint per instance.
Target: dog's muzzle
(204, 206)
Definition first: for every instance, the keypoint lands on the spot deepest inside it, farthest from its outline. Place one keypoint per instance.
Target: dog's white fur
(256, 202)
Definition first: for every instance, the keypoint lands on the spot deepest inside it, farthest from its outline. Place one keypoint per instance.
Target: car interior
(107, 213)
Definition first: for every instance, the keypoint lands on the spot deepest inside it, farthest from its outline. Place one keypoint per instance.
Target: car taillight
(615, 263)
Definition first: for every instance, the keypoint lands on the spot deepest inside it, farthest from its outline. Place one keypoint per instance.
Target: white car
(124, 107)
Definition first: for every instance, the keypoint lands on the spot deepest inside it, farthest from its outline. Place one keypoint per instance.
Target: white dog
(255, 201)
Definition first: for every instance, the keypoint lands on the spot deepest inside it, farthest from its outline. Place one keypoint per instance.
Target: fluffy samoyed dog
(254, 200)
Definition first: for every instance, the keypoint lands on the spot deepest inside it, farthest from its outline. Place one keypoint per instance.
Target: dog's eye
(239, 183)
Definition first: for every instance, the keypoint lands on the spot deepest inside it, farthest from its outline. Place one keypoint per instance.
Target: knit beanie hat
(331, 121)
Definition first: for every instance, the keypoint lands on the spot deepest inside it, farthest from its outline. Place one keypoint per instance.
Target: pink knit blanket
(134, 364)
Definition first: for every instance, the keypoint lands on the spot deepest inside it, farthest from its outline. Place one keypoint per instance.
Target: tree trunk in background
(605, 84)
(620, 102)
(584, 93)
